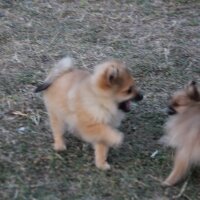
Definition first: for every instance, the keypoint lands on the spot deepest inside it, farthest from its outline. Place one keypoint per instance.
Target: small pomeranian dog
(183, 131)
(90, 105)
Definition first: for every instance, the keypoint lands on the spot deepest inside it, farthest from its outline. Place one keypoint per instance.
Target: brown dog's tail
(42, 87)
(63, 66)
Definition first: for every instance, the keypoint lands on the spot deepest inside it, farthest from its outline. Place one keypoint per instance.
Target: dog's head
(184, 98)
(115, 81)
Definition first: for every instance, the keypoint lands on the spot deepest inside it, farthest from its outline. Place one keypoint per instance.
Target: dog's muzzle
(138, 97)
(171, 111)
(125, 106)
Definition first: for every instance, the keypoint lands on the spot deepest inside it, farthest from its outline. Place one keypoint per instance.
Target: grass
(158, 39)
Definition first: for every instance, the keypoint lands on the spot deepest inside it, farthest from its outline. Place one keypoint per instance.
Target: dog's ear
(112, 75)
(192, 91)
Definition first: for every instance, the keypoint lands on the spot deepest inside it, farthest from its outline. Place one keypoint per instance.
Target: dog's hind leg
(57, 126)
(181, 166)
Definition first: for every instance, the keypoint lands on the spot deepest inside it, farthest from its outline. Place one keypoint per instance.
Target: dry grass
(160, 42)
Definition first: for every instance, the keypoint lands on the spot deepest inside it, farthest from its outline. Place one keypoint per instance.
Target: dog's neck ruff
(101, 107)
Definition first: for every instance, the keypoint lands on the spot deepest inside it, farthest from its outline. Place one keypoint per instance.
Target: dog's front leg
(181, 165)
(101, 151)
(101, 133)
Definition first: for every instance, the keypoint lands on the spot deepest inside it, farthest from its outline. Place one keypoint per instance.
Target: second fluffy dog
(183, 131)
(91, 105)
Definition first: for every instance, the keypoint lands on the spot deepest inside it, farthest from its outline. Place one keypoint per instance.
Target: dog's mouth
(125, 106)
(171, 111)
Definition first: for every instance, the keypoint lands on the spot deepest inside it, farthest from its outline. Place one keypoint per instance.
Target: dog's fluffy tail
(63, 66)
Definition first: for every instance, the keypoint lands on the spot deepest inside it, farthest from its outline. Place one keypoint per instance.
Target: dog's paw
(59, 147)
(103, 166)
(168, 183)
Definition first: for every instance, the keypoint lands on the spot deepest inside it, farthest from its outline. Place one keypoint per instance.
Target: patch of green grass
(27, 77)
(194, 22)
(5, 172)
(141, 2)
(83, 3)
(196, 69)
(186, 1)
(4, 37)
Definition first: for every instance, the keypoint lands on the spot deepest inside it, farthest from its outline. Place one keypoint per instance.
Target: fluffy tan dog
(91, 105)
(183, 131)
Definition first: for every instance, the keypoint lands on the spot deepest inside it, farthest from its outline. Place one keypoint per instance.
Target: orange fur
(87, 104)
(183, 132)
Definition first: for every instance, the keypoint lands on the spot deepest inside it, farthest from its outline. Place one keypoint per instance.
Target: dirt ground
(158, 39)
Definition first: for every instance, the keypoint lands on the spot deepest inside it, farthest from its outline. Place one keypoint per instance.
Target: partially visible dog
(91, 105)
(183, 131)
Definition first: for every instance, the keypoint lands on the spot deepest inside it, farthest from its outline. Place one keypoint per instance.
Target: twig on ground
(181, 193)
(154, 178)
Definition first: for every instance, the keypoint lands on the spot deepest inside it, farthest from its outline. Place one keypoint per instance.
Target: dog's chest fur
(183, 131)
(102, 110)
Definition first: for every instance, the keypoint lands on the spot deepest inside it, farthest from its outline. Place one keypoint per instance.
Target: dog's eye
(129, 90)
(175, 104)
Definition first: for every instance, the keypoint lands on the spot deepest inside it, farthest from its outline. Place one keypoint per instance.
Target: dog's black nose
(171, 111)
(138, 97)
